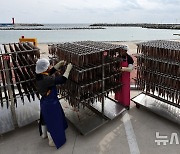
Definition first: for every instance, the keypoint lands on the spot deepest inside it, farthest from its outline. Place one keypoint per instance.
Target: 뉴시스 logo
(163, 139)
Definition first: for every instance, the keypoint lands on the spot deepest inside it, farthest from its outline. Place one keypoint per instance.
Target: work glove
(127, 69)
(68, 69)
(59, 64)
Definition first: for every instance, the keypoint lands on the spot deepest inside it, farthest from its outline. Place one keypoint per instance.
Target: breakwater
(43, 28)
(24, 24)
(143, 25)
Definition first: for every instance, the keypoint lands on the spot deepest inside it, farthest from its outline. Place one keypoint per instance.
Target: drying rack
(17, 77)
(158, 76)
(94, 108)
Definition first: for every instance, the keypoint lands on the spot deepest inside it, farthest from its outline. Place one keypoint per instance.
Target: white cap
(42, 65)
(125, 48)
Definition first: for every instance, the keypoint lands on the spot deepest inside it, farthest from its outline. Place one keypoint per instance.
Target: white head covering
(42, 65)
(125, 47)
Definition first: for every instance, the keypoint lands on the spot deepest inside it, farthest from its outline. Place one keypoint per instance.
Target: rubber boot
(51, 142)
(44, 131)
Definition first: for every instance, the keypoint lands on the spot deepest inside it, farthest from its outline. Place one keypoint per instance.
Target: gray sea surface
(69, 35)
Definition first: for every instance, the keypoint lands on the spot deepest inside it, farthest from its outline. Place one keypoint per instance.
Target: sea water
(69, 35)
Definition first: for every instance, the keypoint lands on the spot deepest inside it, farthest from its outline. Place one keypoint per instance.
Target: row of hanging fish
(158, 69)
(95, 70)
(17, 72)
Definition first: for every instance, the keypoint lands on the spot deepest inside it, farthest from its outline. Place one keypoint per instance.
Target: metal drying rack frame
(92, 116)
(155, 102)
(9, 95)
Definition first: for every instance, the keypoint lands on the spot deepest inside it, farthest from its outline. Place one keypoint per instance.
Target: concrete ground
(132, 132)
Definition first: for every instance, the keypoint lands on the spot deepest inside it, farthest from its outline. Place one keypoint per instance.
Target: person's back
(52, 115)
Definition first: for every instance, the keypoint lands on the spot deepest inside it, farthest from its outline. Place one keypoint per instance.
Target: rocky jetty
(43, 28)
(143, 25)
(162, 26)
(24, 24)
(116, 25)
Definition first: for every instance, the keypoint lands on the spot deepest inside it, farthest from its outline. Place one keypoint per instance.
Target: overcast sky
(90, 11)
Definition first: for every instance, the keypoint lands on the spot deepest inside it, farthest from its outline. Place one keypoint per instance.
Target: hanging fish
(10, 75)
(20, 78)
(4, 80)
(28, 63)
(1, 97)
(24, 71)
